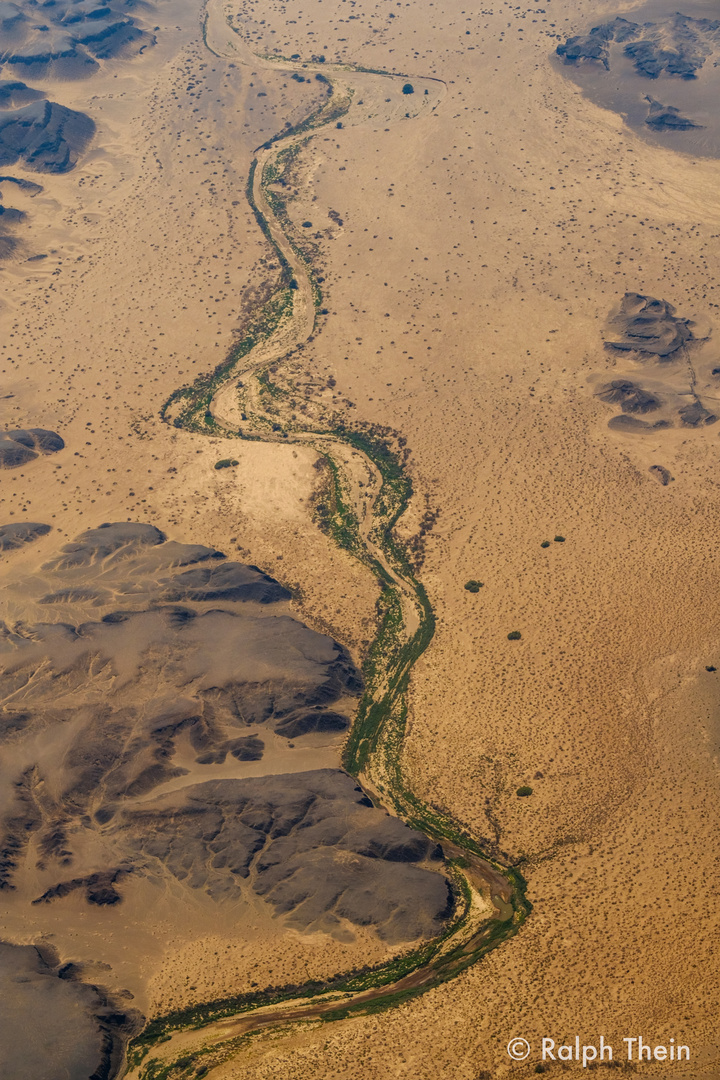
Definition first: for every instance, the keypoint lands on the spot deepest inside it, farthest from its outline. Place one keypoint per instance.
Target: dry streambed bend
(360, 516)
(159, 703)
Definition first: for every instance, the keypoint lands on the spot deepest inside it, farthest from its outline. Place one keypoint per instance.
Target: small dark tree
(514, 635)
(524, 791)
(473, 586)
(408, 88)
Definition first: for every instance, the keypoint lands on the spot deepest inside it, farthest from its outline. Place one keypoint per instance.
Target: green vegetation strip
(193, 401)
(376, 738)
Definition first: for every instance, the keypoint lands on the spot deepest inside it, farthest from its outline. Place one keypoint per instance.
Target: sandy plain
(480, 254)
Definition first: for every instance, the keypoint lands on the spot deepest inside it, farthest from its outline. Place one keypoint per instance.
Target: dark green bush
(408, 88)
(226, 463)
(473, 586)
(524, 791)
(545, 543)
(559, 539)
(514, 635)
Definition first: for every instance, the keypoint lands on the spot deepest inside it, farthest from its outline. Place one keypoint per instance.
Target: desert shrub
(408, 88)
(545, 543)
(524, 791)
(226, 463)
(473, 586)
(514, 635)
(559, 539)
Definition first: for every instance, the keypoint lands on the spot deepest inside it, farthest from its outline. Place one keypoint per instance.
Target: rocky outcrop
(143, 666)
(667, 118)
(78, 1030)
(647, 325)
(21, 446)
(629, 396)
(18, 533)
(676, 46)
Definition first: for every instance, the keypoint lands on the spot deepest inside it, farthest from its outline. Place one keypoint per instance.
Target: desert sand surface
(521, 282)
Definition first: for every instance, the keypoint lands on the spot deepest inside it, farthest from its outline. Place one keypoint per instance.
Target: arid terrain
(507, 273)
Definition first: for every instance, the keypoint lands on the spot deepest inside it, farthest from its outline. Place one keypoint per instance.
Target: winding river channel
(369, 492)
